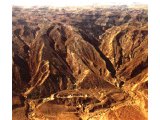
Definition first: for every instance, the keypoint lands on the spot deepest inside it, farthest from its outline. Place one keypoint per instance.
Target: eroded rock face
(65, 70)
(125, 47)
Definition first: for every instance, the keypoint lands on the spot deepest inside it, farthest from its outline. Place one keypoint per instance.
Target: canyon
(80, 63)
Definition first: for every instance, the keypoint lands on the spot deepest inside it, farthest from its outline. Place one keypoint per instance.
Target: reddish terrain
(82, 63)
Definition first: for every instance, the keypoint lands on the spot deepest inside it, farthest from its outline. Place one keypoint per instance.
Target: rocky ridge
(64, 70)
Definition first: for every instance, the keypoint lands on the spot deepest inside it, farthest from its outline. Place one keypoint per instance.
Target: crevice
(117, 49)
(139, 68)
(95, 43)
(24, 69)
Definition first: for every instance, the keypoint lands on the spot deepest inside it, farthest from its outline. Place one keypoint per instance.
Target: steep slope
(70, 56)
(126, 47)
(65, 70)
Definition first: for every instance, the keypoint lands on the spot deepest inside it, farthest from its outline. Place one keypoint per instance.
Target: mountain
(80, 63)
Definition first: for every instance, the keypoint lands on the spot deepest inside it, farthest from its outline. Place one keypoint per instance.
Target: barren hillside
(80, 64)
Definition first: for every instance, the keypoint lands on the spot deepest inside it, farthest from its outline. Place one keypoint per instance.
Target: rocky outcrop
(70, 70)
(125, 46)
